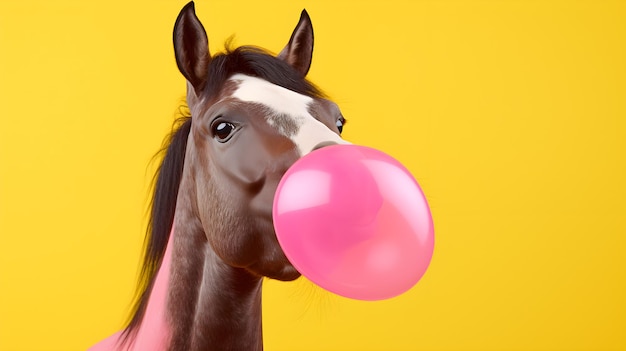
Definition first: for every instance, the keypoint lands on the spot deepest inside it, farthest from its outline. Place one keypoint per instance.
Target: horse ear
(299, 51)
(191, 47)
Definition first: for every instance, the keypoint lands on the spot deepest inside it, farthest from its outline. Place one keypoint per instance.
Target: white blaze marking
(311, 133)
(287, 103)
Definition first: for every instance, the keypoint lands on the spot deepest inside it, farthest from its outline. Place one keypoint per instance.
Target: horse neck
(210, 305)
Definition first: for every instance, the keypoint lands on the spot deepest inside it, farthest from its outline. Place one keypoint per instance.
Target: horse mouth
(278, 271)
(273, 264)
(287, 273)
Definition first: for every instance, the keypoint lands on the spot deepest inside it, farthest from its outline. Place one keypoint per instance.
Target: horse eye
(340, 123)
(223, 130)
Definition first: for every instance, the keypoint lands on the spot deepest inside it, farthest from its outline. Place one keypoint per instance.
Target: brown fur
(218, 196)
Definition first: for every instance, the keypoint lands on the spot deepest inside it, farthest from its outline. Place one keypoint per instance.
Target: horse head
(253, 115)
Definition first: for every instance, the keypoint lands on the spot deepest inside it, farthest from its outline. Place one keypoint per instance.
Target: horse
(210, 240)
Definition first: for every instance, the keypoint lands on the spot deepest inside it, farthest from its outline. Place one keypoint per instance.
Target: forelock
(255, 62)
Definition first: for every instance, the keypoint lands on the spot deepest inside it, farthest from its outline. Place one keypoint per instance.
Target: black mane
(246, 60)
(256, 62)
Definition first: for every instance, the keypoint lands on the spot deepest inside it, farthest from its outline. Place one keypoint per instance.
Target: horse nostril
(323, 144)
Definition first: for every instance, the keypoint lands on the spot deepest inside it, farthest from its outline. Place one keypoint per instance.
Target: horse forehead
(280, 100)
(291, 112)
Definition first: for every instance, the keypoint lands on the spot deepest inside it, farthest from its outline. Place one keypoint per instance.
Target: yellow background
(511, 115)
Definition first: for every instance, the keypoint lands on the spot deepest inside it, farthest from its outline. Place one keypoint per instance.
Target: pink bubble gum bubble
(354, 221)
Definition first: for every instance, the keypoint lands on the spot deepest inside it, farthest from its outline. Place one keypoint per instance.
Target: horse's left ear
(299, 51)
